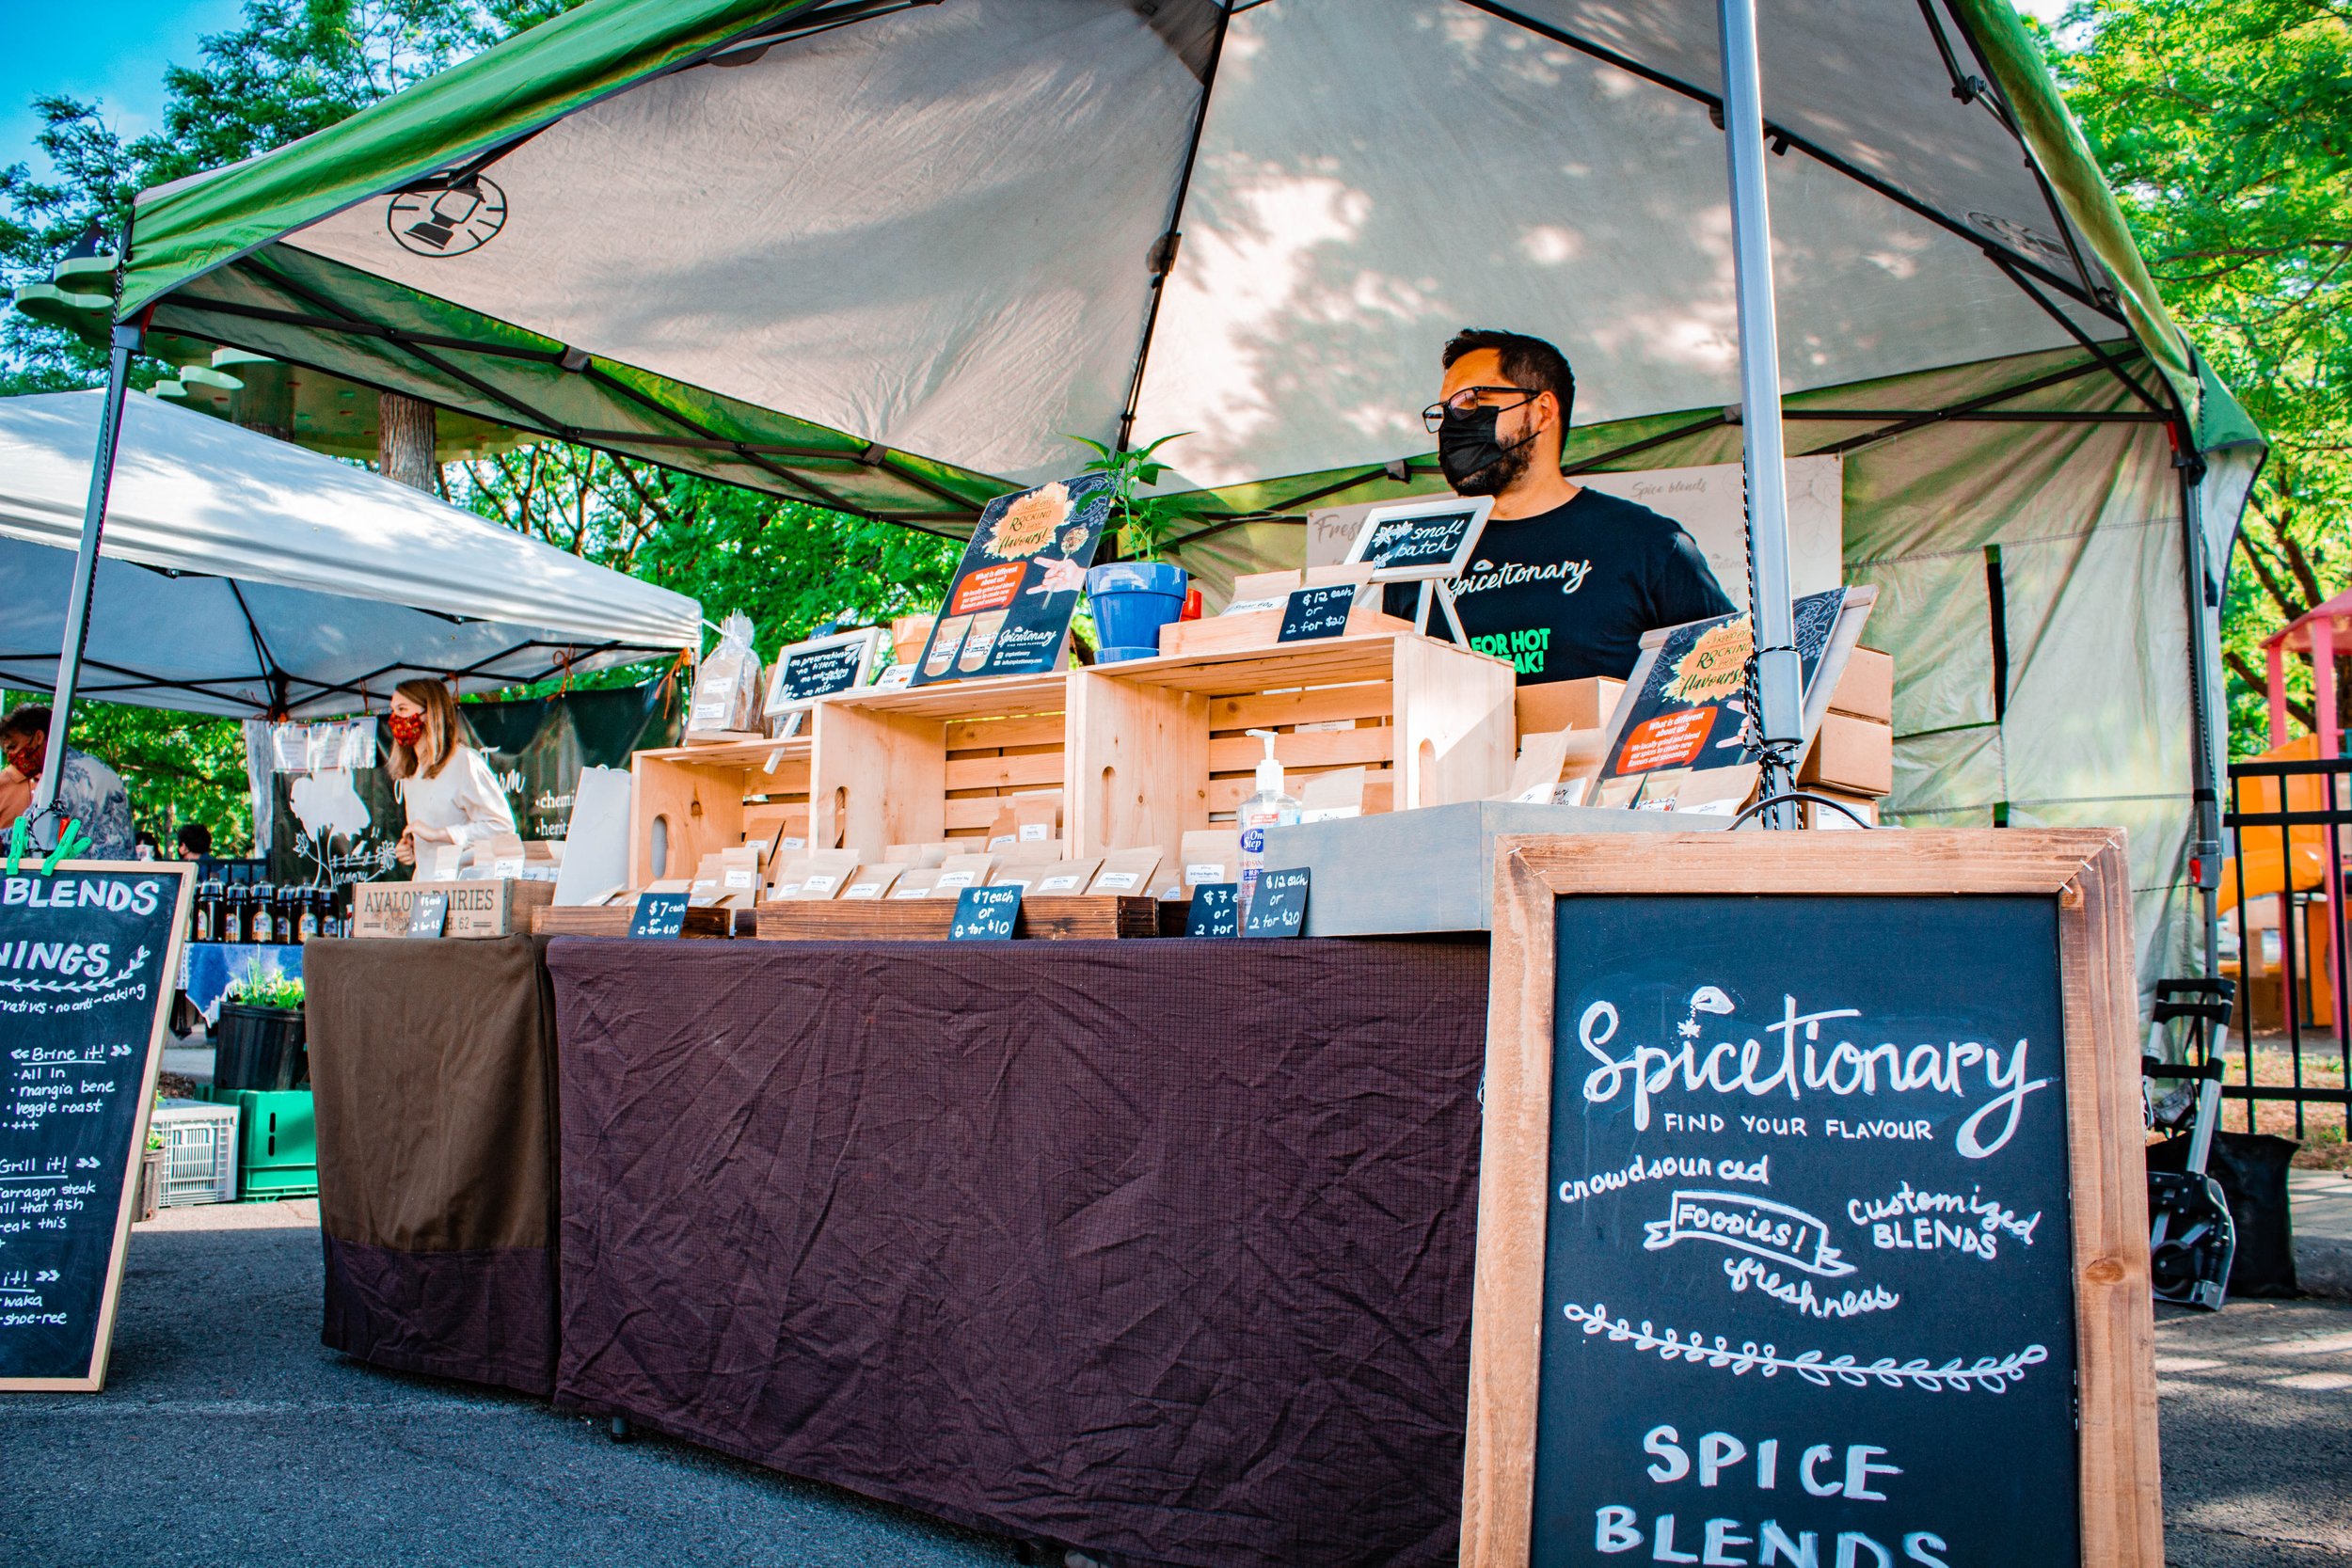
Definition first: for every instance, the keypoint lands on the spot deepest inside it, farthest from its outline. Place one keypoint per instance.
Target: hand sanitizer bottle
(1269, 807)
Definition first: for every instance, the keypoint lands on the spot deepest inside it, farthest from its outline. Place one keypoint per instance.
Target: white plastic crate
(199, 1152)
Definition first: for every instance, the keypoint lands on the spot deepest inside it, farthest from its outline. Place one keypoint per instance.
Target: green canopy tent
(886, 256)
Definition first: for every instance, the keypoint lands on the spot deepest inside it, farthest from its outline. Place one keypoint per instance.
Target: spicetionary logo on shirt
(1484, 574)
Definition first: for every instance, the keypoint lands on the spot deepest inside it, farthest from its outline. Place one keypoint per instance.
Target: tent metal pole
(1778, 687)
(101, 473)
(2205, 846)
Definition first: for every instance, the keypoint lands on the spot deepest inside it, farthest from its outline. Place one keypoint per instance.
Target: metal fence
(2289, 824)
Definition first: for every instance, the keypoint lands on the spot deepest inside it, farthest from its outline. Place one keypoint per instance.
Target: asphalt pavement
(229, 1435)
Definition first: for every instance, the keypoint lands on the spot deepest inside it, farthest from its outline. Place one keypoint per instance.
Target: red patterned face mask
(408, 728)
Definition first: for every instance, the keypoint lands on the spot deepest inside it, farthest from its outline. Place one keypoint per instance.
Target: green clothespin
(16, 844)
(71, 846)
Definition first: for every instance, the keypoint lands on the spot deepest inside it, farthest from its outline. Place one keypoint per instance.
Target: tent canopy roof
(241, 575)
(888, 255)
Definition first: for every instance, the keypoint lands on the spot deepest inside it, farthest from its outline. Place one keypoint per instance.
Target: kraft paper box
(874, 881)
(1578, 705)
(480, 907)
(1856, 755)
(1064, 878)
(1866, 688)
(1127, 871)
(960, 872)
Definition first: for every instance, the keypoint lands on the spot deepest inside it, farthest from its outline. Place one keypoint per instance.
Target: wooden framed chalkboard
(1812, 1226)
(88, 954)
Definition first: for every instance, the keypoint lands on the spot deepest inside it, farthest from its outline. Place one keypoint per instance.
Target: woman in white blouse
(449, 791)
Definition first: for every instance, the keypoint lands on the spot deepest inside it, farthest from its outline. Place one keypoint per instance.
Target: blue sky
(113, 51)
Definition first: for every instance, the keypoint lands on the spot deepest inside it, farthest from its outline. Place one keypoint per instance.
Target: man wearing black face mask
(1565, 580)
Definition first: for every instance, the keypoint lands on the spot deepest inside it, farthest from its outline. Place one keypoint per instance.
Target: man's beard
(1500, 474)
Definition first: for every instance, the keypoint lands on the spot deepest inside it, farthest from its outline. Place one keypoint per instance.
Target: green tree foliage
(291, 68)
(2226, 129)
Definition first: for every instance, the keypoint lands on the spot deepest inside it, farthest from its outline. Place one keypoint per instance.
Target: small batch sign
(658, 914)
(87, 959)
(1215, 910)
(1311, 613)
(1009, 605)
(1809, 1242)
(985, 914)
(1420, 540)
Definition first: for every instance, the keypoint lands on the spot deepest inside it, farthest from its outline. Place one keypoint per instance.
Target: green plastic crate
(278, 1154)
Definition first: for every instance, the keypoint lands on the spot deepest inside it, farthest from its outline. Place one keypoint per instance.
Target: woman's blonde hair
(432, 752)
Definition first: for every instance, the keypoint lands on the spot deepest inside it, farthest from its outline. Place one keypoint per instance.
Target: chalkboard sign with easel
(87, 954)
(1811, 1219)
(821, 667)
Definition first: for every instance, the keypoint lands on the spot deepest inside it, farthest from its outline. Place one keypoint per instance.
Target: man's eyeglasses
(1473, 398)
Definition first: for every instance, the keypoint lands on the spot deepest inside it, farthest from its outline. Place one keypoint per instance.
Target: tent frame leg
(2208, 729)
(126, 340)
(1778, 685)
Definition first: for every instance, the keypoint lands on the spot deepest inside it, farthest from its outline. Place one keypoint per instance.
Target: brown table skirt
(1160, 1248)
(433, 1064)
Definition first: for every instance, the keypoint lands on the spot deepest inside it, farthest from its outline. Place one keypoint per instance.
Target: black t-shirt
(1568, 592)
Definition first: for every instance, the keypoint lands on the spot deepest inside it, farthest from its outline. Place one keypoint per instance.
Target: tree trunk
(405, 441)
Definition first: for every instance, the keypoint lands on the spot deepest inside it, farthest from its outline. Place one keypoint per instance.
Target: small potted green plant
(150, 1194)
(261, 1040)
(1133, 599)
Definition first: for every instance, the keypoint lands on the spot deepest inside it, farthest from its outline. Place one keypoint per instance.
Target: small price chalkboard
(1278, 907)
(658, 914)
(428, 914)
(87, 960)
(821, 667)
(1311, 613)
(1215, 910)
(985, 914)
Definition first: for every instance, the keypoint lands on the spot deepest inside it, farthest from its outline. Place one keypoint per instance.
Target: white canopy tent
(245, 576)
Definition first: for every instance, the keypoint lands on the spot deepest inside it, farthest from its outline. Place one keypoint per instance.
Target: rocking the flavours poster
(1009, 606)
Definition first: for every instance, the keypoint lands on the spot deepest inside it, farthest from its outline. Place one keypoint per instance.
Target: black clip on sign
(985, 914)
(1311, 613)
(658, 914)
(428, 914)
(1215, 910)
(1278, 907)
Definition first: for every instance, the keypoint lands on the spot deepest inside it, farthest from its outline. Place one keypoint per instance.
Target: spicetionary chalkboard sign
(87, 959)
(1800, 1223)
(803, 672)
(1008, 605)
(658, 914)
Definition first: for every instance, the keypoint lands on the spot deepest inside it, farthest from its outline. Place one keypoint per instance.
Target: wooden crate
(1159, 745)
(933, 763)
(612, 920)
(699, 798)
(927, 919)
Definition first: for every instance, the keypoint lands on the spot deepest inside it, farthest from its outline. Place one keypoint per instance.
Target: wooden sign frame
(2085, 870)
(102, 1348)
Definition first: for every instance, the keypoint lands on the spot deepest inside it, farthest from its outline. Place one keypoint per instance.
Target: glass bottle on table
(262, 920)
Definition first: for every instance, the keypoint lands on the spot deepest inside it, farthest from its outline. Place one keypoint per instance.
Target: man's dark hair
(1528, 362)
(195, 838)
(24, 722)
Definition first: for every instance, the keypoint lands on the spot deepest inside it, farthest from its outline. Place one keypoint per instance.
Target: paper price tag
(1215, 910)
(985, 914)
(1117, 879)
(658, 914)
(1278, 907)
(742, 877)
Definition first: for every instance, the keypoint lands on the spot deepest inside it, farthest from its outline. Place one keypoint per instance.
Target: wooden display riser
(613, 920)
(929, 919)
(1159, 746)
(694, 800)
(915, 767)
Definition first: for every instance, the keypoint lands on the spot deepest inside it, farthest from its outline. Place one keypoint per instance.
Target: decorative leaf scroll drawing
(1990, 1373)
(100, 982)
